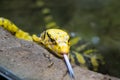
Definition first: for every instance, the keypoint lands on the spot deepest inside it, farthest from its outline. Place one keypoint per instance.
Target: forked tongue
(71, 72)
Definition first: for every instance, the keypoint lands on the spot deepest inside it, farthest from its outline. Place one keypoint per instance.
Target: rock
(30, 61)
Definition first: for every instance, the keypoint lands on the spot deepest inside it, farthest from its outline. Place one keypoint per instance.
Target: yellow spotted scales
(54, 39)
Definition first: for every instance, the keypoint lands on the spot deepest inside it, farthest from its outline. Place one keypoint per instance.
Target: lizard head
(56, 40)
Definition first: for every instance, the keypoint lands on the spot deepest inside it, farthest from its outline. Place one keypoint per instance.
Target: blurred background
(96, 21)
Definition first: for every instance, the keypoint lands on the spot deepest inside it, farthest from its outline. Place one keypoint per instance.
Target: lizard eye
(51, 39)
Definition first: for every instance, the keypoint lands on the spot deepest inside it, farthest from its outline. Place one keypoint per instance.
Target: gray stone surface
(30, 61)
